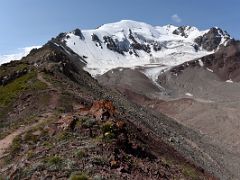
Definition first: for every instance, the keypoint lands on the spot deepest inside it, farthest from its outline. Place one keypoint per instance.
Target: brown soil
(6, 142)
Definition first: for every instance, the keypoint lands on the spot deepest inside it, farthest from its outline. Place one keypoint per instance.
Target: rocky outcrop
(78, 32)
(100, 110)
(111, 44)
(96, 39)
(157, 46)
(12, 76)
(138, 46)
(226, 61)
(181, 31)
(212, 39)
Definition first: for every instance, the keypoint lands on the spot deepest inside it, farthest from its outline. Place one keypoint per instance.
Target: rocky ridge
(77, 127)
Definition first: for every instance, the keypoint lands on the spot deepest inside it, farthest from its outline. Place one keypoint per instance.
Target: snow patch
(189, 94)
(200, 63)
(210, 70)
(229, 81)
(154, 72)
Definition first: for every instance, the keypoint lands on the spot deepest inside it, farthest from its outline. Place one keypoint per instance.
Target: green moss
(167, 161)
(16, 145)
(81, 154)
(10, 92)
(47, 144)
(54, 160)
(109, 131)
(190, 172)
(30, 138)
(107, 127)
(78, 176)
(30, 154)
(64, 136)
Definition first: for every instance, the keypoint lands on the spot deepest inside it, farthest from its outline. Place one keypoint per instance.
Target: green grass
(54, 160)
(11, 91)
(190, 172)
(78, 176)
(107, 127)
(16, 145)
(64, 136)
(81, 154)
(17, 66)
(109, 131)
(30, 138)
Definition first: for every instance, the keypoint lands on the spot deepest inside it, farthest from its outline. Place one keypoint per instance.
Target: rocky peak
(181, 31)
(78, 32)
(212, 39)
(115, 43)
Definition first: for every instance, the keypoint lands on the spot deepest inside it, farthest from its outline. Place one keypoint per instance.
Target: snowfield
(165, 47)
(175, 49)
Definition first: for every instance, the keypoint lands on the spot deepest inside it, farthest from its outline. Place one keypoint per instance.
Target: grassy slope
(12, 91)
(64, 153)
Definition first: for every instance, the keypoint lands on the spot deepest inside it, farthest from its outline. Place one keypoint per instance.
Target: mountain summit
(130, 43)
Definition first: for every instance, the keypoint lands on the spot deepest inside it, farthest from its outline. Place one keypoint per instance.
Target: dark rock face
(198, 40)
(112, 45)
(138, 46)
(157, 46)
(60, 37)
(212, 39)
(123, 45)
(226, 61)
(11, 77)
(181, 31)
(78, 32)
(196, 47)
(96, 39)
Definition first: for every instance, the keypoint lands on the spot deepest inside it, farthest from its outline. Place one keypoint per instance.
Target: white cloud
(17, 56)
(176, 18)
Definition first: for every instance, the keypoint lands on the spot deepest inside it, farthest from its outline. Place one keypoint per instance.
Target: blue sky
(33, 22)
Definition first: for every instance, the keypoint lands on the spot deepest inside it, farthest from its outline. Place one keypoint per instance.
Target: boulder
(67, 122)
(102, 109)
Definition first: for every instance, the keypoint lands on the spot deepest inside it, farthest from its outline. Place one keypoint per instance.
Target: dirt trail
(6, 142)
(53, 102)
(40, 78)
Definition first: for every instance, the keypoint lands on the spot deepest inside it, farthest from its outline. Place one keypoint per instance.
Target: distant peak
(126, 24)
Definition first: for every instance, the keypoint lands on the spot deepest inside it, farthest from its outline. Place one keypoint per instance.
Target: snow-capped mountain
(130, 44)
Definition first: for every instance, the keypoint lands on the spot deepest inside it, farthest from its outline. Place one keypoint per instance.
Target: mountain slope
(130, 44)
(77, 123)
(202, 94)
(75, 111)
